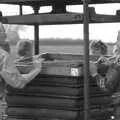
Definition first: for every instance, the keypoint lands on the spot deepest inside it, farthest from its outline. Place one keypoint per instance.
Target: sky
(105, 32)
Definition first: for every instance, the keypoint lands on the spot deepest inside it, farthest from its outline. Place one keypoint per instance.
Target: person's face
(30, 52)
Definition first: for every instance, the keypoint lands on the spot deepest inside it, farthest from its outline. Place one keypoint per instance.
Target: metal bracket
(59, 7)
(36, 8)
(118, 12)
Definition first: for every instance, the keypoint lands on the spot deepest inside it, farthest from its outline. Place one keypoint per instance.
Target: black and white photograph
(59, 59)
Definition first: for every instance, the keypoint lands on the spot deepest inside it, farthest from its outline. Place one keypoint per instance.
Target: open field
(71, 49)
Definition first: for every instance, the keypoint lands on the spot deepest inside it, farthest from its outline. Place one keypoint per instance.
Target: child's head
(25, 48)
(98, 48)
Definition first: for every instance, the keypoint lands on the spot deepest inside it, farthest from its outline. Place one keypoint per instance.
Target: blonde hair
(24, 47)
(99, 45)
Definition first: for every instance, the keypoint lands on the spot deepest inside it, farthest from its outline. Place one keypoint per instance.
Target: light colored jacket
(13, 77)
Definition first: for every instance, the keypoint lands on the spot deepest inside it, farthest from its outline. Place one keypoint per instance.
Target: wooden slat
(68, 57)
(59, 114)
(44, 19)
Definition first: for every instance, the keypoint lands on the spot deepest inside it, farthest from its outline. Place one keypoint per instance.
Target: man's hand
(38, 63)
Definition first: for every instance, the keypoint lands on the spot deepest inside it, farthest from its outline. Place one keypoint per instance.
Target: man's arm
(30, 76)
(17, 80)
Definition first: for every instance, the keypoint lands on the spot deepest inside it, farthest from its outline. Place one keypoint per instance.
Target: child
(98, 48)
(24, 63)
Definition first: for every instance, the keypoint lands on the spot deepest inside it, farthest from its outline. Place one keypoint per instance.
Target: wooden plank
(44, 19)
(41, 2)
(103, 18)
(49, 2)
(103, 1)
(57, 56)
(42, 113)
(55, 102)
(59, 114)
(54, 19)
(53, 91)
(97, 18)
(18, 1)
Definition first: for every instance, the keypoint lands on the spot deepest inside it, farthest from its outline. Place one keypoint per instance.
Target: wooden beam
(57, 56)
(44, 19)
(53, 19)
(20, 10)
(97, 18)
(102, 18)
(18, 1)
(50, 2)
(42, 2)
(103, 1)
(86, 71)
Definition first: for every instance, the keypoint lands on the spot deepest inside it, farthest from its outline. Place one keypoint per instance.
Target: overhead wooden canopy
(60, 18)
(50, 2)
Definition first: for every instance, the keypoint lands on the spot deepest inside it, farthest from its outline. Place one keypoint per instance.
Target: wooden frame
(50, 2)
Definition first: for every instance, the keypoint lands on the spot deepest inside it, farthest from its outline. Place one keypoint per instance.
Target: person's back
(24, 62)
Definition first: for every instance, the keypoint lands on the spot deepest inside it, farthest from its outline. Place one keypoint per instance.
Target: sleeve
(3, 58)
(13, 78)
(102, 66)
(17, 80)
